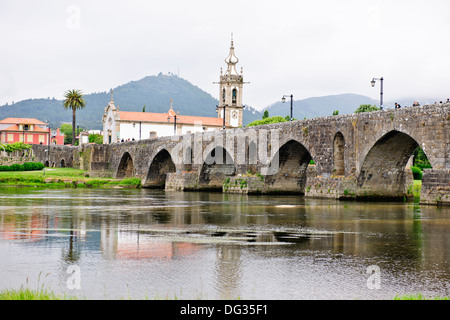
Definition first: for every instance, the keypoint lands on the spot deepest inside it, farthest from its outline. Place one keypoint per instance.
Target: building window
(41, 138)
(223, 95)
(10, 137)
(26, 127)
(234, 95)
(153, 134)
(29, 138)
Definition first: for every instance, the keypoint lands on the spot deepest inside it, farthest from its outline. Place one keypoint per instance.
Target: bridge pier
(355, 156)
(435, 187)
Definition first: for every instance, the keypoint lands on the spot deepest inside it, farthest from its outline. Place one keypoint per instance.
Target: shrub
(17, 167)
(275, 119)
(27, 166)
(10, 147)
(417, 173)
(366, 108)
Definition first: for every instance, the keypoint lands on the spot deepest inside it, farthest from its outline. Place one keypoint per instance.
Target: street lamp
(283, 99)
(381, 90)
(224, 107)
(174, 124)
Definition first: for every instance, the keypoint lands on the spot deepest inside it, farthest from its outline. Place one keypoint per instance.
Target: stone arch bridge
(363, 155)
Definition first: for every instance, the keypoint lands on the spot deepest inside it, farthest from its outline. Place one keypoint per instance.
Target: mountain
(320, 106)
(154, 92)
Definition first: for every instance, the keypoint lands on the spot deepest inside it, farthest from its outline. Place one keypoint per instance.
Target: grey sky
(304, 48)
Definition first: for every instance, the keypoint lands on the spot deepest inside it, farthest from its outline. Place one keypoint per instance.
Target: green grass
(61, 177)
(44, 294)
(419, 296)
(30, 294)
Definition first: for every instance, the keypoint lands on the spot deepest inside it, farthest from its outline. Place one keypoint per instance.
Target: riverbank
(44, 294)
(63, 178)
(76, 178)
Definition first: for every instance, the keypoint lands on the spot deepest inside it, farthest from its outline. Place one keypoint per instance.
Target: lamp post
(283, 99)
(381, 89)
(174, 124)
(224, 107)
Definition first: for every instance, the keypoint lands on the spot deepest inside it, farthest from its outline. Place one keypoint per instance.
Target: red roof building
(27, 130)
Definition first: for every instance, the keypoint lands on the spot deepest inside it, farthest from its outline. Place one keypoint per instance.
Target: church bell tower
(230, 91)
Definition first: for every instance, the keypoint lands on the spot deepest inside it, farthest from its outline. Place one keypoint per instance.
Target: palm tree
(74, 100)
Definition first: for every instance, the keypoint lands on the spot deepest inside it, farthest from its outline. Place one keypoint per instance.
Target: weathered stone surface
(435, 187)
(244, 185)
(356, 155)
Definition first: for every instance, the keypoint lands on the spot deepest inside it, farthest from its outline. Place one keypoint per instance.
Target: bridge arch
(339, 154)
(126, 167)
(217, 165)
(289, 166)
(383, 171)
(160, 165)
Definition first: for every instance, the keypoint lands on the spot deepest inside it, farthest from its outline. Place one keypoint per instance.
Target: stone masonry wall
(435, 187)
(368, 159)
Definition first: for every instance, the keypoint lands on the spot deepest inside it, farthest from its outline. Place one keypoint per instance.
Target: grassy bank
(29, 294)
(419, 296)
(62, 177)
(44, 294)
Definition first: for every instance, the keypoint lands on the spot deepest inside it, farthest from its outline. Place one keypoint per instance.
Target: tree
(73, 100)
(66, 129)
(366, 108)
(335, 112)
(266, 114)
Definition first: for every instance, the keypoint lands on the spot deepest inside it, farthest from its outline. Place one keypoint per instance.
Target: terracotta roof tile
(162, 118)
(16, 128)
(23, 121)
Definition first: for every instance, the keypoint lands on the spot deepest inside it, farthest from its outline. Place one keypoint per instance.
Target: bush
(27, 166)
(366, 108)
(10, 147)
(417, 173)
(17, 167)
(275, 119)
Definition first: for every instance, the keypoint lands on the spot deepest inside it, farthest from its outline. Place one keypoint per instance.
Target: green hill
(154, 92)
(320, 106)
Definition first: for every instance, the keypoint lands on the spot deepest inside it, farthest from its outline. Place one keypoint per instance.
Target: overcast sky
(304, 48)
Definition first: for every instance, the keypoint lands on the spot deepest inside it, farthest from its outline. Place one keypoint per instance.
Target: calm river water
(137, 244)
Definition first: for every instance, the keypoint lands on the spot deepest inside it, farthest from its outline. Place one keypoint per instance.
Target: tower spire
(232, 60)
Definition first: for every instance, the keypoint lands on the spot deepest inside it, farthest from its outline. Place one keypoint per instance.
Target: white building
(121, 126)
(127, 126)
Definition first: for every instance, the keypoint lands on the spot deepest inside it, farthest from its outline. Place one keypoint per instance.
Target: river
(151, 244)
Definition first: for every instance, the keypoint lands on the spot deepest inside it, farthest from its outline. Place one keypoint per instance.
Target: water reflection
(222, 246)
